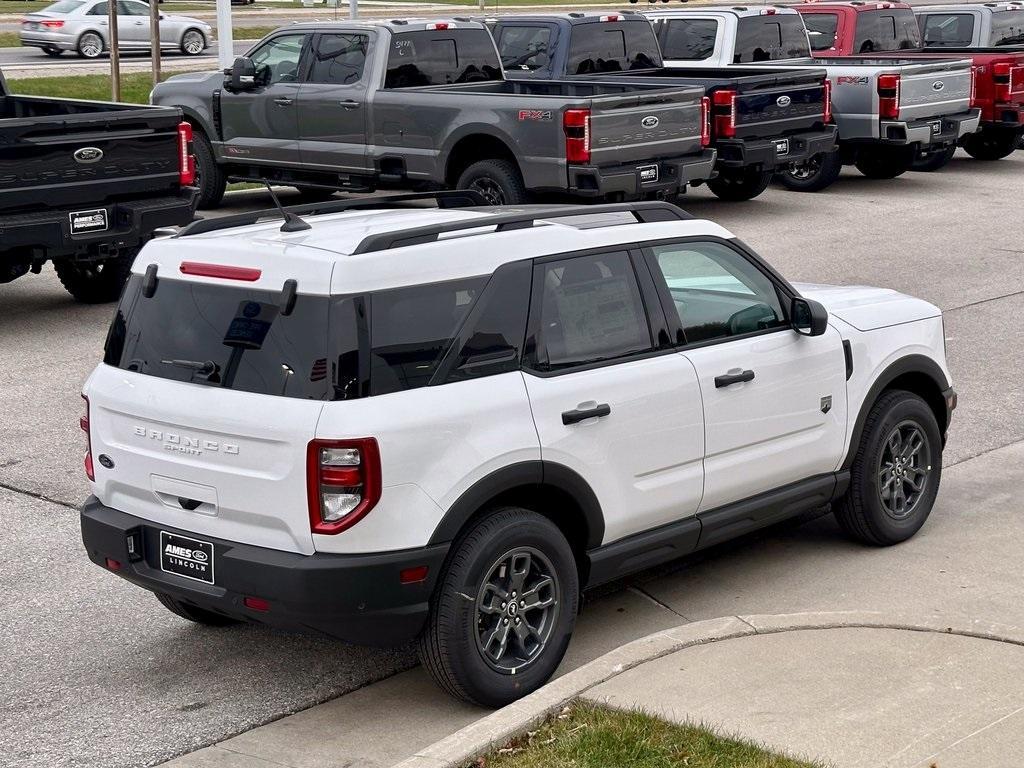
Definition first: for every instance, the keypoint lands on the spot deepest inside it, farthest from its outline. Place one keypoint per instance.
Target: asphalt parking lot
(136, 685)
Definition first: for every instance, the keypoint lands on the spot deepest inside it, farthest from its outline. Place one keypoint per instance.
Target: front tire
(499, 181)
(885, 162)
(739, 185)
(991, 145)
(96, 282)
(210, 178)
(90, 45)
(193, 42)
(895, 474)
(504, 609)
(193, 613)
(812, 175)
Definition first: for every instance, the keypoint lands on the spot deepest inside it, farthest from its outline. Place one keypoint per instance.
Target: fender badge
(826, 404)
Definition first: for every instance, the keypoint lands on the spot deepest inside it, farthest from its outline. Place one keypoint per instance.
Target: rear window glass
(612, 47)
(767, 38)
(947, 30)
(524, 48)
(441, 57)
(886, 31)
(821, 30)
(67, 6)
(219, 336)
(687, 39)
(1008, 27)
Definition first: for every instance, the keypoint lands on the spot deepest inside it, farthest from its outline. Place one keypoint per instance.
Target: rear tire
(991, 145)
(90, 45)
(210, 178)
(934, 161)
(193, 613)
(740, 185)
(96, 282)
(884, 162)
(482, 642)
(499, 181)
(814, 174)
(886, 470)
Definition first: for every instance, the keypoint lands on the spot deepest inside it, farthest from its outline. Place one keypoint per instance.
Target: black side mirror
(241, 76)
(808, 317)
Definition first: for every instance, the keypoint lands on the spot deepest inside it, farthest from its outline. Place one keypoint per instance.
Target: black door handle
(575, 416)
(733, 378)
(350, 104)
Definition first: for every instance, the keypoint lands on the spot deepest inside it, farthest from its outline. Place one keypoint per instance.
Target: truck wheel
(96, 282)
(990, 145)
(812, 175)
(210, 178)
(739, 185)
(503, 610)
(194, 613)
(90, 45)
(193, 42)
(895, 473)
(498, 181)
(934, 161)
(885, 162)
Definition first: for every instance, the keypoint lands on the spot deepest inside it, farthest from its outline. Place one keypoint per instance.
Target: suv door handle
(283, 101)
(733, 378)
(350, 104)
(577, 415)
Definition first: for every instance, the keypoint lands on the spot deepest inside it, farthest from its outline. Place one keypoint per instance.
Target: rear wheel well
(925, 387)
(472, 149)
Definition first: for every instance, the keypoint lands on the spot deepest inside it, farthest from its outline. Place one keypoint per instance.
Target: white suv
(445, 422)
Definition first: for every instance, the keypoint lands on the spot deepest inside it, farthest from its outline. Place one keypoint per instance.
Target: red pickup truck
(858, 28)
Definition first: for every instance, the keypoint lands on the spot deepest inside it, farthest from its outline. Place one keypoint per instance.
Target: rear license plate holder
(186, 557)
(781, 147)
(648, 174)
(85, 222)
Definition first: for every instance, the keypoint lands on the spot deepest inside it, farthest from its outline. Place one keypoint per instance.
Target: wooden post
(115, 56)
(154, 39)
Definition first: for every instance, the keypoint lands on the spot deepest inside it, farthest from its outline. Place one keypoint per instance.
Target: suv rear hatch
(209, 395)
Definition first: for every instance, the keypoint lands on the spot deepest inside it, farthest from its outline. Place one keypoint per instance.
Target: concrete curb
(495, 729)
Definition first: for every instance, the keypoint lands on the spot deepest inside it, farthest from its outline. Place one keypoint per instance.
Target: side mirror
(241, 76)
(808, 317)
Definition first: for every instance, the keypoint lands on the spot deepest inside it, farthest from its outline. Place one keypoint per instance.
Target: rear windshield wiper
(203, 367)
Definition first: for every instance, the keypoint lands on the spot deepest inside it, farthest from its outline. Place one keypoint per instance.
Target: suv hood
(867, 308)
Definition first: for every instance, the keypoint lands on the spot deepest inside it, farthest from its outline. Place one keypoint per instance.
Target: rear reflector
(414, 575)
(113, 565)
(221, 271)
(186, 163)
(256, 604)
(83, 422)
(343, 482)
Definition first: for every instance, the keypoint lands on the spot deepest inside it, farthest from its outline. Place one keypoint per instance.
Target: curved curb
(495, 729)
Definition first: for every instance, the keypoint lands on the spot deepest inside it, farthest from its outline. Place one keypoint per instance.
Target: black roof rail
(645, 213)
(446, 198)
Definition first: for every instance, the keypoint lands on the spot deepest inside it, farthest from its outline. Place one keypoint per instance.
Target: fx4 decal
(535, 114)
(852, 80)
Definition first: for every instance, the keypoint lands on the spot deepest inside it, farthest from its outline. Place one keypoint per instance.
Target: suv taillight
(84, 424)
(576, 124)
(186, 163)
(889, 97)
(705, 122)
(826, 107)
(724, 103)
(343, 482)
(1002, 76)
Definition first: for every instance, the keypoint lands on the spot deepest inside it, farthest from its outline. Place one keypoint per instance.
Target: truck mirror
(241, 76)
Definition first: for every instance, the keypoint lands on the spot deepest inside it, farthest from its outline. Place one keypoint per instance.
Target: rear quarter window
(1008, 27)
(442, 57)
(895, 30)
(598, 46)
(767, 38)
(687, 39)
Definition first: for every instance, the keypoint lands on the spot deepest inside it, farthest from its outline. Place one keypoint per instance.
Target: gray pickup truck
(889, 110)
(363, 105)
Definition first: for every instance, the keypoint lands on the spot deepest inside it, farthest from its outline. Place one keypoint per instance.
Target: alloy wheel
(90, 45)
(806, 169)
(904, 467)
(490, 189)
(192, 43)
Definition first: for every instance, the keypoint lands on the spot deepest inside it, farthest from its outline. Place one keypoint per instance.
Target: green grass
(590, 736)
(9, 40)
(135, 86)
(253, 33)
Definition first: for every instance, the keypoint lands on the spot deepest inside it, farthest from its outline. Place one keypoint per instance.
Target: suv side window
(277, 60)
(587, 309)
(717, 292)
(339, 59)
(687, 39)
(947, 30)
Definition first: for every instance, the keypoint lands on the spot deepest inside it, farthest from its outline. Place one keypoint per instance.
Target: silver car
(82, 26)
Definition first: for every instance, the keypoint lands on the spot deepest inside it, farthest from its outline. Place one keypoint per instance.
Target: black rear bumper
(765, 154)
(47, 234)
(637, 180)
(355, 598)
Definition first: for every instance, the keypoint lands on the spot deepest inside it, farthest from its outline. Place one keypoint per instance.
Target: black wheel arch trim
(915, 364)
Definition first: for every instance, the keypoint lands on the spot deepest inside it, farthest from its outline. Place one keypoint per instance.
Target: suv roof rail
(446, 198)
(644, 212)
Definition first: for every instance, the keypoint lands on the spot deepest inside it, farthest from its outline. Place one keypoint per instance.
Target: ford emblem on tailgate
(938, 85)
(89, 155)
(783, 101)
(650, 122)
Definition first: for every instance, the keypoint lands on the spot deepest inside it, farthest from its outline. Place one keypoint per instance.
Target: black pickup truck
(85, 184)
(762, 120)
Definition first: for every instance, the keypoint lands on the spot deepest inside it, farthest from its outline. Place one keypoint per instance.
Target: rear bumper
(37, 39)
(944, 130)
(48, 232)
(355, 598)
(673, 175)
(763, 153)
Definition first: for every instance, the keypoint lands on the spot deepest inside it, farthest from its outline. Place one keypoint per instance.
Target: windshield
(65, 6)
(768, 38)
(1008, 27)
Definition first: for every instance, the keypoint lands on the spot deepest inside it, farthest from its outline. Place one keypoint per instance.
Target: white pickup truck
(889, 110)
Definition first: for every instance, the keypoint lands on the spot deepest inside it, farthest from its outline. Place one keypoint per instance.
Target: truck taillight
(576, 124)
(889, 97)
(83, 422)
(705, 122)
(186, 163)
(724, 110)
(826, 96)
(1002, 78)
(343, 482)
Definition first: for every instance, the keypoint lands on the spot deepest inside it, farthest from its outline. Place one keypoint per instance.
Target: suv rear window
(602, 46)
(442, 57)
(767, 38)
(687, 39)
(894, 30)
(821, 30)
(947, 30)
(1008, 27)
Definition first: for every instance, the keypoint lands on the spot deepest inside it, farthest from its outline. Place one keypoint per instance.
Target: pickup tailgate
(56, 153)
(928, 90)
(780, 104)
(634, 127)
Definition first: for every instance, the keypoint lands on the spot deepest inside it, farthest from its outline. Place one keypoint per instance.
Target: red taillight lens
(343, 482)
(576, 124)
(889, 97)
(112, 564)
(440, 26)
(415, 575)
(826, 107)
(1002, 75)
(611, 17)
(52, 24)
(83, 422)
(705, 122)
(724, 109)
(186, 163)
(256, 604)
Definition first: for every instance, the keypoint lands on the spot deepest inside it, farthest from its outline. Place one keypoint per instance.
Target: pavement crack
(37, 495)
(740, 618)
(983, 301)
(644, 593)
(985, 452)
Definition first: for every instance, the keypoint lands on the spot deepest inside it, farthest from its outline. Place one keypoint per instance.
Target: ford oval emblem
(198, 554)
(938, 85)
(87, 155)
(650, 122)
(783, 101)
